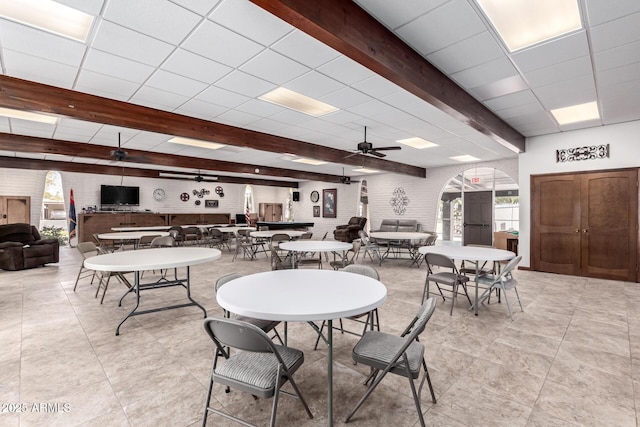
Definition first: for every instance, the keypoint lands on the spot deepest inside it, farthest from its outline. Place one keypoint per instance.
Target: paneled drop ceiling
(211, 60)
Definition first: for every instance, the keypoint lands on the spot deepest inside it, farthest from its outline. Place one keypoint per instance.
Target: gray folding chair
(502, 283)
(372, 320)
(261, 368)
(401, 355)
(265, 325)
(87, 250)
(371, 248)
(350, 257)
(444, 279)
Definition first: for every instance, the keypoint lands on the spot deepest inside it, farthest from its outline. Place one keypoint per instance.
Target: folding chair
(443, 279)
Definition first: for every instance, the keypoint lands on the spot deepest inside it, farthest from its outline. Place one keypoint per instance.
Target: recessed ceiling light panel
(50, 16)
(416, 142)
(298, 102)
(196, 143)
(523, 23)
(576, 113)
(365, 170)
(312, 162)
(26, 115)
(465, 158)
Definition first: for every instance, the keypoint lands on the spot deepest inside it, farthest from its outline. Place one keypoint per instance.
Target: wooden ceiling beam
(31, 144)
(31, 96)
(350, 30)
(35, 164)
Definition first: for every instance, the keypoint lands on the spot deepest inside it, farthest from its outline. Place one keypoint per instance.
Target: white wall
(539, 158)
(24, 182)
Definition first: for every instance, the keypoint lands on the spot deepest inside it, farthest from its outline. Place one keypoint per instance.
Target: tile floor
(572, 358)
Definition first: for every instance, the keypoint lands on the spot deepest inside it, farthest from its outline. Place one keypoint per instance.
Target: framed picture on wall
(316, 211)
(329, 202)
(211, 203)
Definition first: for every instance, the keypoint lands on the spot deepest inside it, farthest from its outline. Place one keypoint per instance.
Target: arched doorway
(476, 203)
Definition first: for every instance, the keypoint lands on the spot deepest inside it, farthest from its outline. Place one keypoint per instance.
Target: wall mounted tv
(119, 195)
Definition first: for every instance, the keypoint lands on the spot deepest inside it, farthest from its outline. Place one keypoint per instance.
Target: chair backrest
(191, 231)
(87, 249)
(226, 332)
(431, 240)
(417, 325)
(439, 260)
(226, 279)
(364, 270)
(215, 233)
(306, 236)
(355, 248)
(276, 262)
(146, 240)
(163, 242)
(280, 237)
(511, 265)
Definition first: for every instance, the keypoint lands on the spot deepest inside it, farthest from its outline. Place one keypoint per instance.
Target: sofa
(404, 225)
(349, 232)
(21, 247)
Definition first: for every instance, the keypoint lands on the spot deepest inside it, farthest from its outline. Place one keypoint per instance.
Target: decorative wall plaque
(589, 152)
(210, 203)
(399, 201)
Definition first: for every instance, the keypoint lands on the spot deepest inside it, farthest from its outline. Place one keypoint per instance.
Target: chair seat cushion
(257, 369)
(265, 325)
(377, 349)
(447, 278)
(490, 279)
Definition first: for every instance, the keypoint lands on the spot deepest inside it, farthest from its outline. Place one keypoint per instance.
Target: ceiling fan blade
(388, 148)
(375, 153)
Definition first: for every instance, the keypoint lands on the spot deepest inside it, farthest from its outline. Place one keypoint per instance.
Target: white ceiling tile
(236, 118)
(174, 83)
(345, 70)
(160, 99)
(245, 84)
(618, 56)
(616, 33)
(116, 66)
(195, 66)
(201, 7)
(222, 45)
(92, 7)
(511, 100)
(467, 53)
(483, 74)
(371, 108)
(108, 86)
(274, 67)
(499, 88)
(563, 71)
(222, 97)
(304, 49)
(345, 98)
(260, 108)
(200, 109)
(38, 69)
(341, 117)
(267, 125)
(600, 11)
(34, 42)
(121, 41)
(395, 14)
(160, 19)
(250, 20)
(441, 27)
(553, 52)
(291, 117)
(314, 84)
(377, 86)
(577, 91)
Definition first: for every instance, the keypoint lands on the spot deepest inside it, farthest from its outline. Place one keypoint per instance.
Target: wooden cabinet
(15, 209)
(194, 219)
(586, 224)
(270, 212)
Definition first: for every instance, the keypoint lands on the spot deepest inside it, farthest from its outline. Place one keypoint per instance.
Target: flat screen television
(119, 195)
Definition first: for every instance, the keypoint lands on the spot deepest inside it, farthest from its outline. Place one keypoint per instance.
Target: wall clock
(184, 197)
(159, 194)
(315, 196)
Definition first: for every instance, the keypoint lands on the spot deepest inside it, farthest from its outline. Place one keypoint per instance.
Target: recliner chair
(22, 247)
(349, 232)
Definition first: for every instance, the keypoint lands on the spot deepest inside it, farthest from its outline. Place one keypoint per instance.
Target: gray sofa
(403, 225)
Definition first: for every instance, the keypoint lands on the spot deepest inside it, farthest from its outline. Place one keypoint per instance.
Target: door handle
(585, 230)
(4, 216)
(577, 230)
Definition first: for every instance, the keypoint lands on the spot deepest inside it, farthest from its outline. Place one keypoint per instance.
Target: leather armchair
(349, 232)
(21, 247)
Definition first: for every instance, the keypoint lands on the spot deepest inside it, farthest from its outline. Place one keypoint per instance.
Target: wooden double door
(586, 224)
(15, 209)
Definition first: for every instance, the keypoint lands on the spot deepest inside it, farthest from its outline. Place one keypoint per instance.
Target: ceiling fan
(120, 155)
(367, 148)
(346, 179)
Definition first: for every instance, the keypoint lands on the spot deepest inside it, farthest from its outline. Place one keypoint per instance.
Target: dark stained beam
(31, 96)
(34, 164)
(347, 28)
(31, 144)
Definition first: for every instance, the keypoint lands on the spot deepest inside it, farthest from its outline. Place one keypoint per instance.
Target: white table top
(471, 253)
(151, 259)
(398, 235)
(315, 246)
(147, 228)
(270, 233)
(130, 235)
(235, 229)
(302, 295)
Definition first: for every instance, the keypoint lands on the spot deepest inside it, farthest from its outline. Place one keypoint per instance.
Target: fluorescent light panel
(576, 113)
(465, 158)
(310, 161)
(365, 170)
(49, 16)
(26, 115)
(416, 142)
(196, 143)
(523, 23)
(298, 102)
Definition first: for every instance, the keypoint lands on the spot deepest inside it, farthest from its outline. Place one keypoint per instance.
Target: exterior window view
(410, 213)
